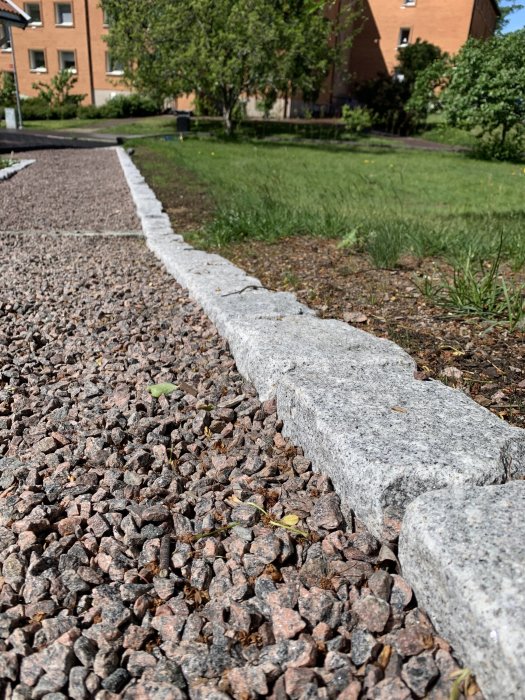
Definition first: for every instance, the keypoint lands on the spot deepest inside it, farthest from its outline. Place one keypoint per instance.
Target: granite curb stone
(348, 398)
(6, 173)
(352, 402)
(469, 543)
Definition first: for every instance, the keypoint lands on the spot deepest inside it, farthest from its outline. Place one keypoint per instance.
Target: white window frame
(26, 10)
(404, 33)
(61, 53)
(58, 23)
(110, 70)
(7, 48)
(32, 67)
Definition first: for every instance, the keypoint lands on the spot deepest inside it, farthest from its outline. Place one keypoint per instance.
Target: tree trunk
(228, 121)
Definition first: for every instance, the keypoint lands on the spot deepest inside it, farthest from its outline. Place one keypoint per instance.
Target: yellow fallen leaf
(290, 520)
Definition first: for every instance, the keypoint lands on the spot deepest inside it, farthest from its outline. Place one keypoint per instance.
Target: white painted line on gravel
(348, 398)
(6, 173)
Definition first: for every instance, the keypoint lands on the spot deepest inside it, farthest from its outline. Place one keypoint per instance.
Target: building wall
(447, 24)
(88, 21)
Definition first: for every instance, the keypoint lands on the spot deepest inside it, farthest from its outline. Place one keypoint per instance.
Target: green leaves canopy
(486, 89)
(222, 49)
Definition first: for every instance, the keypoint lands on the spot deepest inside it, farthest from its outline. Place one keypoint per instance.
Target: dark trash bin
(183, 123)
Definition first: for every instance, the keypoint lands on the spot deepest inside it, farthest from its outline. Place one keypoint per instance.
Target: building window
(5, 38)
(113, 66)
(105, 18)
(67, 61)
(64, 14)
(33, 10)
(404, 37)
(37, 61)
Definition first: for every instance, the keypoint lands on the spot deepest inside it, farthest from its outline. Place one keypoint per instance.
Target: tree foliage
(7, 89)
(221, 50)
(57, 93)
(486, 91)
(390, 97)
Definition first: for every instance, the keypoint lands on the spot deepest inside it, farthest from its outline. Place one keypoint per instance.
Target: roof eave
(15, 17)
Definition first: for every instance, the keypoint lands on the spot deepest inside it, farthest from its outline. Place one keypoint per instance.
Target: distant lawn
(60, 124)
(449, 135)
(139, 125)
(428, 202)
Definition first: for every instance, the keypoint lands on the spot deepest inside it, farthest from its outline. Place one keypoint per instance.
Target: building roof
(12, 14)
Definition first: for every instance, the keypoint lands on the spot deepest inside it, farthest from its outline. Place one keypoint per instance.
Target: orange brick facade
(387, 25)
(391, 24)
(78, 38)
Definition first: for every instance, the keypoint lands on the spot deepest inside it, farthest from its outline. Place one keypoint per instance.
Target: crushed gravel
(68, 190)
(107, 588)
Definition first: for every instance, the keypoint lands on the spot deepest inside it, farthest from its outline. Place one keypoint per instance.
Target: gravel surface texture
(68, 190)
(108, 588)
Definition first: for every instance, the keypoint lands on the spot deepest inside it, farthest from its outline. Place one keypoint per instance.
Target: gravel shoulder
(130, 569)
(68, 190)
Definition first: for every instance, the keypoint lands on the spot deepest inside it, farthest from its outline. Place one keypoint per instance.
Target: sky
(516, 19)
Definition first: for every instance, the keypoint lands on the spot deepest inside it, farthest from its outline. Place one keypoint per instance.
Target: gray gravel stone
(463, 551)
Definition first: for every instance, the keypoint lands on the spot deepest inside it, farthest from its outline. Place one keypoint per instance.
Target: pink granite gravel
(68, 190)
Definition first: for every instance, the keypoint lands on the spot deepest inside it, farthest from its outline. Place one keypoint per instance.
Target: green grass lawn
(387, 199)
(60, 124)
(138, 126)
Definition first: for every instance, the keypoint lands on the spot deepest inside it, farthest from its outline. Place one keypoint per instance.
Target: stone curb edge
(349, 399)
(6, 173)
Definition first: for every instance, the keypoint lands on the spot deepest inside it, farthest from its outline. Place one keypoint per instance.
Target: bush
(89, 112)
(356, 120)
(123, 106)
(37, 109)
(496, 144)
(7, 90)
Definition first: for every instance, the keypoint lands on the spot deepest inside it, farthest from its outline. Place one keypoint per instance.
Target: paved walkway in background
(20, 140)
(109, 588)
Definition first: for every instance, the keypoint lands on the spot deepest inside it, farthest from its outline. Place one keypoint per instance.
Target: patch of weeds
(464, 683)
(287, 522)
(291, 279)
(385, 243)
(476, 290)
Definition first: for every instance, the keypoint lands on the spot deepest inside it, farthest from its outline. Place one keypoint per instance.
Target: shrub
(496, 144)
(356, 120)
(35, 108)
(89, 112)
(57, 95)
(7, 90)
(122, 106)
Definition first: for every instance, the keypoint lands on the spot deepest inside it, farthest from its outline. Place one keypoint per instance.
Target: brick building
(64, 35)
(389, 25)
(70, 35)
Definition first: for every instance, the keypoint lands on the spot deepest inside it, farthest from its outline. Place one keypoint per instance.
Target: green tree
(221, 50)
(505, 12)
(486, 92)
(57, 93)
(7, 89)
(389, 97)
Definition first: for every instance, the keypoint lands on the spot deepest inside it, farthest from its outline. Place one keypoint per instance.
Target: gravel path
(68, 190)
(107, 589)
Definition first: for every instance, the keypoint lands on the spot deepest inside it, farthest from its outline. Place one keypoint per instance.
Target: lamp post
(17, 93)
